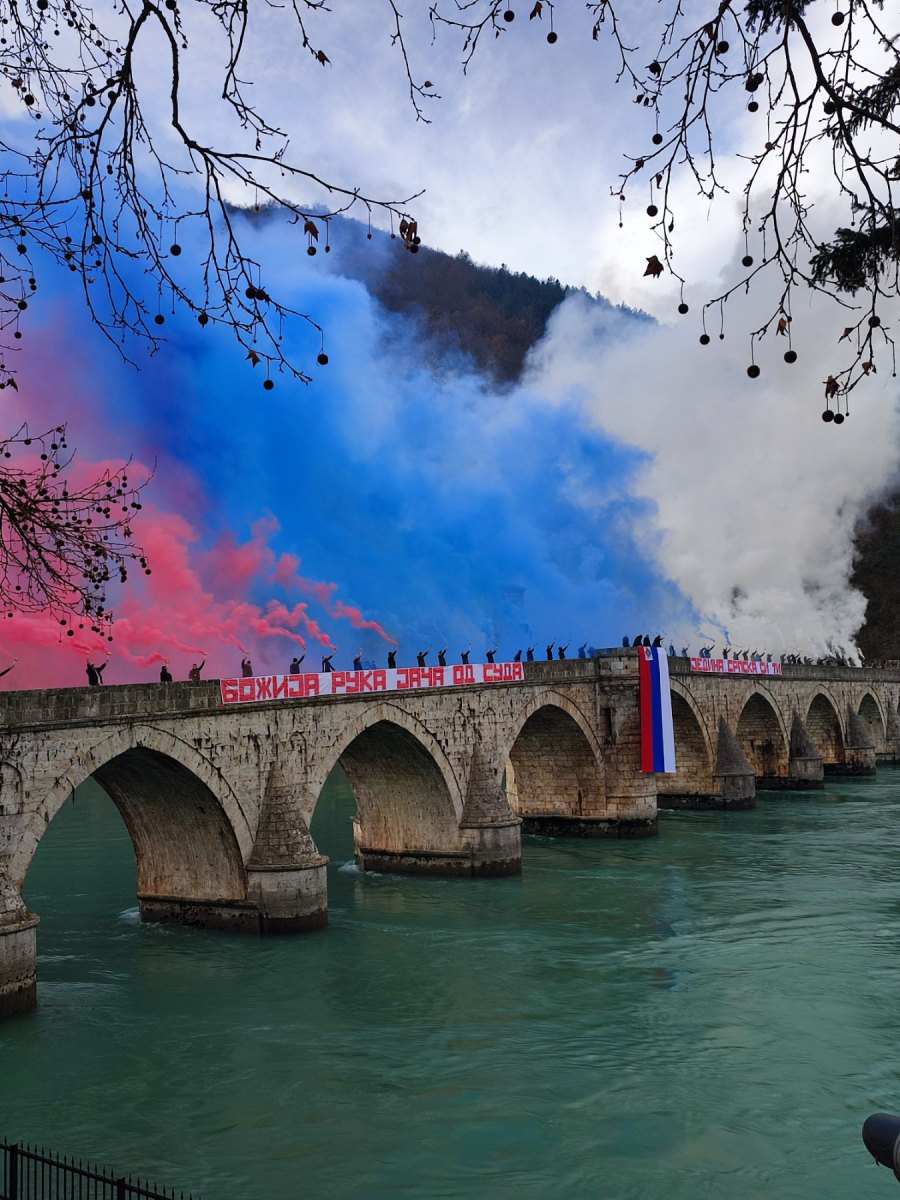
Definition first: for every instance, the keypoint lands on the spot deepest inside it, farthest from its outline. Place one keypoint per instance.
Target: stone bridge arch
(409, 801)
(694, 754)
(873, 718)
(823, 723)
(555, 768)
(190, 834)
(763, 737)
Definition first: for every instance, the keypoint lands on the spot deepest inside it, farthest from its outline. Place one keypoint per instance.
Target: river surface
(709, 1013)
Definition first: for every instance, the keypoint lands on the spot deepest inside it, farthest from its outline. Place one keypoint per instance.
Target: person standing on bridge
(95, 672)
(246, 668)
(561, 651)
(529, 654)
(422, 655)
(294, 668)
(327, 668)
(392, 660)
(489, 654)
(194, 672)
(582, 650)
(165, 675)
(517, 657)
(464, 656)
(550, 652)
(442, 657)
(357, 662)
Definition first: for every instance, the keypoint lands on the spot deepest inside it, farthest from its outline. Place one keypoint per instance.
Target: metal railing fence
(28, 1173)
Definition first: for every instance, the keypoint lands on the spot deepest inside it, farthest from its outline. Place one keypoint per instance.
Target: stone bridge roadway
(218, 799)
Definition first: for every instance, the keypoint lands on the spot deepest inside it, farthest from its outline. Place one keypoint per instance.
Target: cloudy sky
(634, 482)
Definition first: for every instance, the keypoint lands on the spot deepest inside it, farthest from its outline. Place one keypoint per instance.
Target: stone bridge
(218, 799)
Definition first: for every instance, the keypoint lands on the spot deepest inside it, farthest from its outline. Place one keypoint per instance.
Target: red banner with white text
(734, 666)
(357, 683)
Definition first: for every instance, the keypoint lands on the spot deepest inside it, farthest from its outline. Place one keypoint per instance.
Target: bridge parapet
(679, 666)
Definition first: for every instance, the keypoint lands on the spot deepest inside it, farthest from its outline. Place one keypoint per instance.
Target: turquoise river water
(710, 1013)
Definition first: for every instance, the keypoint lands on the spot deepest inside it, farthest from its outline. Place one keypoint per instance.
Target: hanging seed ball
(62, 620)
(704, 339)
(175, 249)
(838, 18)
(414, 248)
(551, 37)
(652, 210)
(70, 633)
(747, 260)
(790, 356)
(657, 139)
(509, 15)
(203, 319)
(753, 371)
(874, 321)
(838, 418)
(753, 106)
(722, 48)
(827, 415)
(369, 237)
(682, 308)
(159, 319)
(268, 384)
(322, 359)
(328, 249)
(310, 250)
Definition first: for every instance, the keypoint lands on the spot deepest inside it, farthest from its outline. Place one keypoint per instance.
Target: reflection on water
(711, 1013)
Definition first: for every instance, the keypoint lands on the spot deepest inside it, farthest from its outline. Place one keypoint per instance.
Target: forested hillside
(491, 314)
(877, 575)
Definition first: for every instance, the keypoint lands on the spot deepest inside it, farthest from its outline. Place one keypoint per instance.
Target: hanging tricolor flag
(657, 733)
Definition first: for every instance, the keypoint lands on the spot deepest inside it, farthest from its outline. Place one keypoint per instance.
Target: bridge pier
(734, 775)
(286, 878)
(286, 887)
(807, 771)
(18, 951)
(859, 752)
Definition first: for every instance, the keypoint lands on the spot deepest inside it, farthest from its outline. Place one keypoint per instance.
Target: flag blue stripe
(655, 692)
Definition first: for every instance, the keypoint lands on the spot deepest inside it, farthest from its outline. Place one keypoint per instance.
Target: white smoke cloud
(756, 499)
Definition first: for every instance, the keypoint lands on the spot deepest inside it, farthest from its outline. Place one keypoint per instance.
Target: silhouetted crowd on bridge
(553, 652)
(838, 657)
